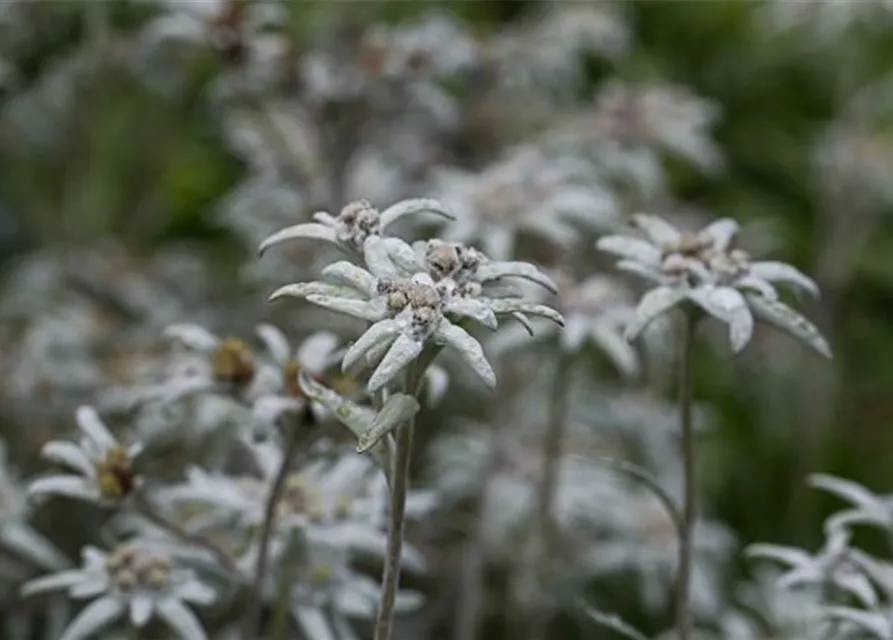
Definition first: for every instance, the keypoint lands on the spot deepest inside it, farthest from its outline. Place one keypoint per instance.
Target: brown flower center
(232, 363)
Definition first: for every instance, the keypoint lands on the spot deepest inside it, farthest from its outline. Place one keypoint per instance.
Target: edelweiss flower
(357, 222)
(133, 579)
(104, 467)
(410, 312)
(527, 192)
(702, 268)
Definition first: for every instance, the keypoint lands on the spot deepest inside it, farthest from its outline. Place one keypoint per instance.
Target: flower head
(707, 271)
(135, 580)
(103, 466)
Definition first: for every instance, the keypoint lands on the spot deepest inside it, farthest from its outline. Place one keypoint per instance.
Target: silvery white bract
(102, 467)
(596, 310)
(703, 269)
(17, 536)
(526, 192)
(132, 581)
(357, 222)
(866, 508)
(329, 593)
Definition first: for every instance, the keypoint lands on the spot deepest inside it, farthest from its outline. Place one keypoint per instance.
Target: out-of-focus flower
(867, 507)
(704, 269)
(135, 581)
(526, 192)
(103, 466)
(824, 19)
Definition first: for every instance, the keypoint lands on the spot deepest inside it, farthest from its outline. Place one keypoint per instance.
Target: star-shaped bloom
(103, 467)
(357, 222)
(133, 580)
(705, 270)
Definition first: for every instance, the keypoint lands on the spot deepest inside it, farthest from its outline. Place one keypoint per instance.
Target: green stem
(683, 576)
(397, 508)
(551, 465)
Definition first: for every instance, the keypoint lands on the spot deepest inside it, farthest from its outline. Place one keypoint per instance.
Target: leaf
(398, 409)
(404, 350)
(872, 622)
(613, 622)
(513, 306)
(355, 417)
(729, 306)
(369, 310)
(412, 206)
(631, 249)
(304, 289)
(648, 273)
(378, 259)
(780, 315)
(97, 616)
(652, 305)
(474, 308)
(659, 231)
(785, 273)
(514, 269)
(403, 256)
(309, 230)
(470, 349)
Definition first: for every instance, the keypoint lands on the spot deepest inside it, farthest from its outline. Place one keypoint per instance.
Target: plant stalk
(251, 620)
(390, 580)
(551, 464)
(689, 513)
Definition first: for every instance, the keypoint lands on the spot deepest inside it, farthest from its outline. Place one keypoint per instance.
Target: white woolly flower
(134, 581)
(526, 192)
(704, 269)
(103, 468)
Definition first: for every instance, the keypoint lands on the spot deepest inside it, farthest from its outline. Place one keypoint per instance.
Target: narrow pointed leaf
(304, 289)
(514, 269)
(510, 305)
(653, 304)
(373, 336)
(375, 253)
(473, 308)
(413, 206)
(398, 408)
(657, 229)
(404, 350)
(632, 249)
(181, 619)
(470, 349)
(648, 273)
(404, 256)
(729, 306)
(874, 623)
(97, 616)
(786, 274)
(349, 274)
(309, 230)
(369, 310)
(756, 285)
(721, 233)
(780, 315)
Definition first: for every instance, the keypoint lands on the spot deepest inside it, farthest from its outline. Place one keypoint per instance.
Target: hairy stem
(252, 615)
(145, 509)
(551, 463)
(390, 580)
(689, 514)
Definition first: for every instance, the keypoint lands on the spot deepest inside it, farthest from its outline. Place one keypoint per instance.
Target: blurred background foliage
(114, 158)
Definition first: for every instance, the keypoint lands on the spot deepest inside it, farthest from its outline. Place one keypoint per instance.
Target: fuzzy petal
(30, 544)
(404, 350)
(658, 230)
(68, 454)
(192, 336)
(785, 273)
(378, 259)
(181, 619)
(780, 315)
(309, 230)
(413, 206)
(53, 582)
(631, 249)
(653, 304)
(96, 616)
(347, 273)
(721, 233)
(313, 623)
(403, 256)
(93, 427)
(275, 342)
(70, 486)
(305, 289)
(470, 349)
(473, 308)
(141, 607)
(377, 333)
(317, 351)
(510, 305)
(369, 310)
(729, 306)
(513, 269)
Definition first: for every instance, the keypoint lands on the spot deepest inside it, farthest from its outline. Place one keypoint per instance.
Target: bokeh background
(134, 189)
